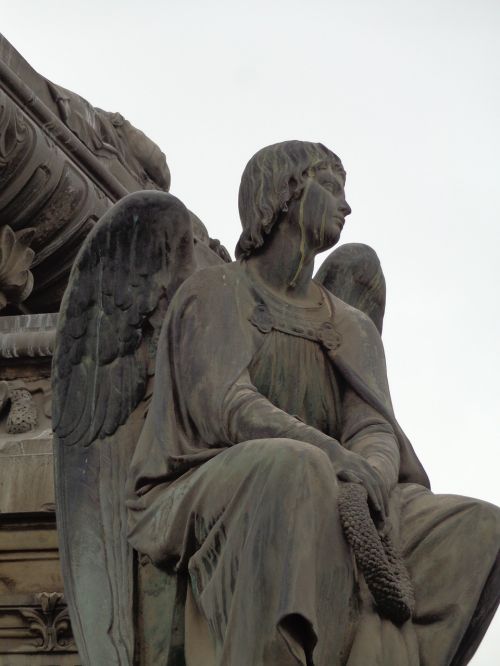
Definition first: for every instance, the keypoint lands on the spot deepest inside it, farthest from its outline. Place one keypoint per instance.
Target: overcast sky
(406, 93)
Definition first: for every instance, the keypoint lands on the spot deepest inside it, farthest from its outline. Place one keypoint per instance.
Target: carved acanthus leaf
(50, 622)
(16, 280)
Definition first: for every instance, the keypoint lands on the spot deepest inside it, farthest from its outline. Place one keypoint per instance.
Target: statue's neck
(285, 267)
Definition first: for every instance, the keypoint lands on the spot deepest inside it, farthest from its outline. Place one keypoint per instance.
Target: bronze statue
(266, 473)
(63, 163)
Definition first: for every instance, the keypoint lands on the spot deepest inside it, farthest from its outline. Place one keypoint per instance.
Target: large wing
(353, 273)
(125, 275)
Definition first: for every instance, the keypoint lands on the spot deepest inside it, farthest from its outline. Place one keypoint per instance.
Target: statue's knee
(293, 453)
(291, 463)
(488, 520)
(487, 523)
(288, 466)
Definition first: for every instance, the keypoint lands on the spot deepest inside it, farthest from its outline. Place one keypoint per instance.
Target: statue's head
(272, 179)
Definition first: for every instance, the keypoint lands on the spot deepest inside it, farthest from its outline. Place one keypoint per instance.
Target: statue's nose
(345, 208)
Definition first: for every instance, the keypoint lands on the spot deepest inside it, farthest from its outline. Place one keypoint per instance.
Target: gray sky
(406, 93)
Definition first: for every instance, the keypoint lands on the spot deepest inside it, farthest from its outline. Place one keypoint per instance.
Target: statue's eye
(332, 186)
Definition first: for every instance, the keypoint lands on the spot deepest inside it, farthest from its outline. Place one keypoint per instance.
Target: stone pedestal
(34, 623)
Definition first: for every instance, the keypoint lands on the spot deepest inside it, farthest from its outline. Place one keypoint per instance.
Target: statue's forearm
(377, 444)
(369, 434)
(249, 415)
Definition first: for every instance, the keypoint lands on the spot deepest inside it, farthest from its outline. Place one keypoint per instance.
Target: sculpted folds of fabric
(256, 501)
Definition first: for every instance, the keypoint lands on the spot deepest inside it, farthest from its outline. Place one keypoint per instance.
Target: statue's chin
(329, 240)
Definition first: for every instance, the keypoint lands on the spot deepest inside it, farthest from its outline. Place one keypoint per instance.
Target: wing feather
(122, 281)
(353, 273)
(139, 250)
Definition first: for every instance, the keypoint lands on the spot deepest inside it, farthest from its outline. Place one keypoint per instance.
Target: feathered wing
(353, 273)
(125, 275)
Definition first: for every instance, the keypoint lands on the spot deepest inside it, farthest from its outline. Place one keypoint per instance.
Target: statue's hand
(353, 468)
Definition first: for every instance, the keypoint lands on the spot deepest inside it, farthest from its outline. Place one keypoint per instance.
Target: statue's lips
(340, 220)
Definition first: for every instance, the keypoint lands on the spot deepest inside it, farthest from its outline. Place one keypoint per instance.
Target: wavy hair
(272, 178)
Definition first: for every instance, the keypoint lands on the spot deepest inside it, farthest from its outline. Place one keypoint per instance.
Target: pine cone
(378, 558)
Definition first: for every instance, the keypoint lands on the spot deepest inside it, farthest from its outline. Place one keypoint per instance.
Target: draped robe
(232, 483)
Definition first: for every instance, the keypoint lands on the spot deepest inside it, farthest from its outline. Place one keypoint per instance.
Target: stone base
(34, 622)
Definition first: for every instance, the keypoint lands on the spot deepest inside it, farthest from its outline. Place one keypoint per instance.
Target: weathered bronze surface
(34, 622)
(63, 163)
(232, 485)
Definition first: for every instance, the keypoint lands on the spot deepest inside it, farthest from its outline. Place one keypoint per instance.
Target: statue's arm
(213, 350)
(209, 348)
(247, 415)
(369, 434)
(367, 428)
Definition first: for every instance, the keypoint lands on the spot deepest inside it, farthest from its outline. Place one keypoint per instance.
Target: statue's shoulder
(355, 326)
(213, 281)
(348, 316)
(214, 287)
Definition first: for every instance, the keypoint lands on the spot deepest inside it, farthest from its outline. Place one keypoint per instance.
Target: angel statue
(233, 488)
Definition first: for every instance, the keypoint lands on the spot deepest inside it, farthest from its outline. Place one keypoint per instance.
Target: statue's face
(322, 208)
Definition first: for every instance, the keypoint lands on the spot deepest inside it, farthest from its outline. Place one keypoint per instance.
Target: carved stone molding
(49, 623)
(16, 280)
(27, 336)
(41, 188)
(63, 163)
(26, 476)
(37, 624)
(34, 624)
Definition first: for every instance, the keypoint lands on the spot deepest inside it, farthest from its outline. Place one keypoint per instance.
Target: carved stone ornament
(23, 415)
(49, 623)
(16, 280)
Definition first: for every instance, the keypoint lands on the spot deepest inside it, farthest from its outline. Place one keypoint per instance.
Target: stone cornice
(27, 336)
